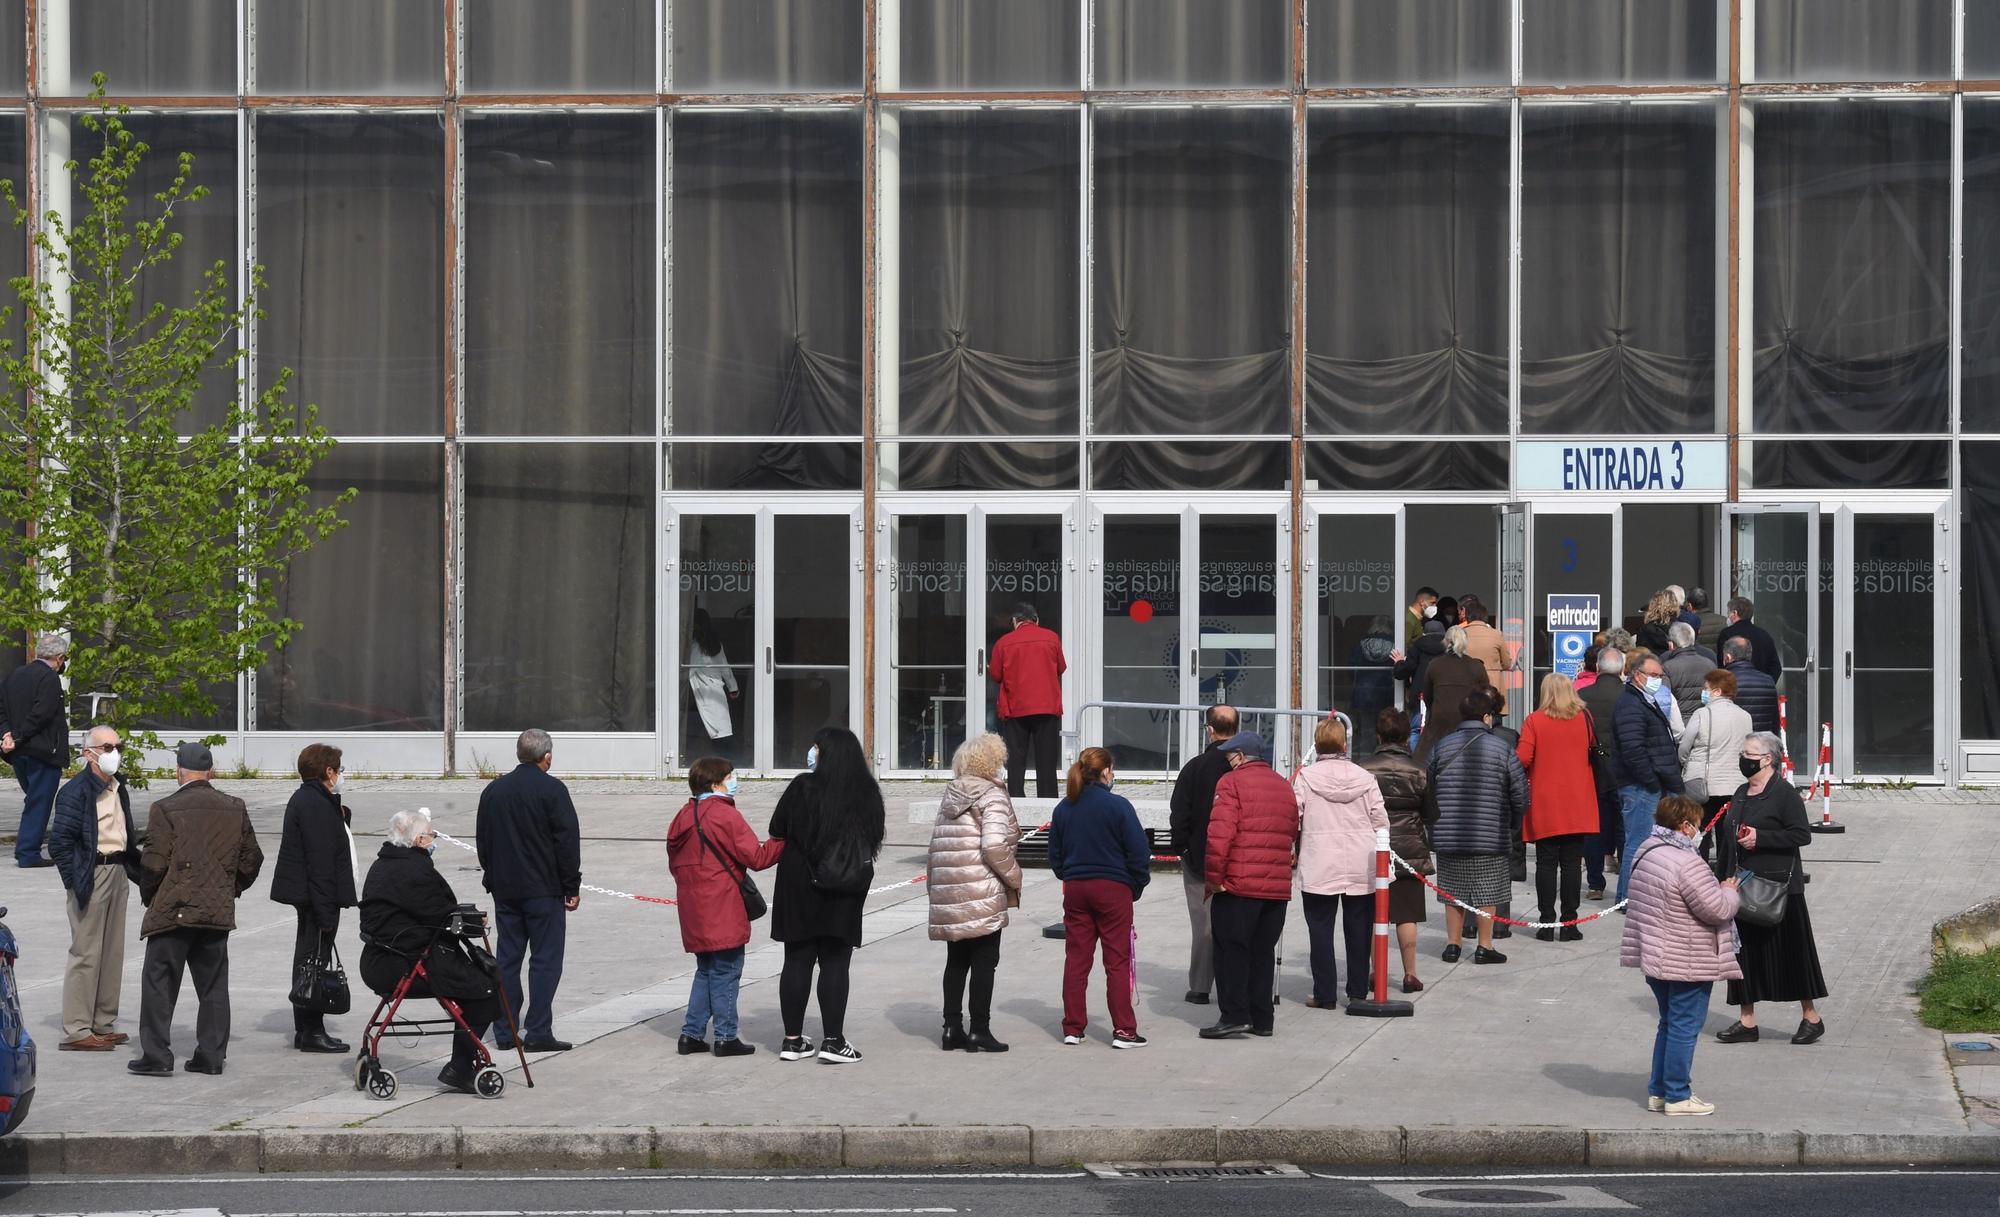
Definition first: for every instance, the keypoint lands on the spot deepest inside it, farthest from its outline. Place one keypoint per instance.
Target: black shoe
(1809, 1032)
(689, 1045)
(1262, 1033)
(148, 1069)
(36, 863)
(194, 1066)
(955, 1039)
(733, 1048)
(1450, 953)
(1569, 933)
(318, 1041)
(548, 1046)
(1195, 999)
(1225, 1031)
(1487, 955)
(1501, 931)
(1736, 1033)
(835, 1050)
(451, 1079)
(1542, 935)
(981, 1040)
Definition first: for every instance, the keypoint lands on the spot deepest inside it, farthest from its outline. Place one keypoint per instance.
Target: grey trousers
(96, 956)
(1201, 948)
(204, 956)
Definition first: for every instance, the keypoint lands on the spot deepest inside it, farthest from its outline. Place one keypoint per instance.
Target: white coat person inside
(711, 681)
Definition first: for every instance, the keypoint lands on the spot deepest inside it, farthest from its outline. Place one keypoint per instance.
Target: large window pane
(1853, 211)
(143, 47)
(717, 582)
(767, 272)
(1619, 41)
(14, 62)
(1402, 466)
(370, 655)
(1844, 464)
(1618, 294)
(1854, 39)
(1980, 394)
(350, 46)
(350, 230)
(754, 46)
(1151, 44)
(559, 274)
(1226, 465)
(773, 466)
(988, 279)
(990, 44)
(1408, 42)
(1406, 239)
(980, 465)
(559, 587)
(531, 46)
(1979, 591)
(812, 657)
(1982, 41)
(1191, 242)
(207, 227)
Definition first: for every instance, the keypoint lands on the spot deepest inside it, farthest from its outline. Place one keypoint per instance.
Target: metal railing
(1299, 746)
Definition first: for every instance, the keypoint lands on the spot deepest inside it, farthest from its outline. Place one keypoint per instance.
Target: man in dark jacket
(1600, 702)
(1645, 757)
(530, 851)
(200, 855)
(1193, 798)
(1253, 841)
(34, 739)
(1763, 648)
(1756, 693)
(90, 840)
(1027, 663)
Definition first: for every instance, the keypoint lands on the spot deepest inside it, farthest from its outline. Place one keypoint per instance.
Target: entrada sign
(1615, 467)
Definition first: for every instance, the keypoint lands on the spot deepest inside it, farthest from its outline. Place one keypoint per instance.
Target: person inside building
(1253, 837)
(1447, 680)
(1687, 664)
(1764, 654)
(34, 741)
(711, 685)
(1423, 608)
(1406, 795)
(1763, 833)
(1687, 613)
(1644, 755)
(1099, 853)
(1562, 801)
(1661, 613)
(1193, 798)
(973, 879)
(1487, 645)
(1481, 793)
(1412, 661)
(1709, 624)
(1027, 663)
(1756, 692)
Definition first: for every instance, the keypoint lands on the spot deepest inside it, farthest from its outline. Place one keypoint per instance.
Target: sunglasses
(103, 748)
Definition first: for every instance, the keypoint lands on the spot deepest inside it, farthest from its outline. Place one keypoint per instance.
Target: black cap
(194, 756)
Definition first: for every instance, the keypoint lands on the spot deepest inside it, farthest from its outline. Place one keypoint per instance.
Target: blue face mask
(431, 849)
(812, 758)
(1707, 696)
(729, 785)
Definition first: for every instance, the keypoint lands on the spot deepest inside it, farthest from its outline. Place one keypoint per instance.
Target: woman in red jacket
(1562, 798)
(709, 848)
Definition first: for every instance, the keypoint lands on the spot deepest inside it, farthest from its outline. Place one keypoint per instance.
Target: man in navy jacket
(1645, 758)
(34, 739)
(530, 851)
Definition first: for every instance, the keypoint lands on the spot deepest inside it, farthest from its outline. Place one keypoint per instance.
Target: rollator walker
(467, 927)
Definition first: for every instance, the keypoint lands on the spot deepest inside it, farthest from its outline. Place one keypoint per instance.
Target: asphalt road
(1017, 1194)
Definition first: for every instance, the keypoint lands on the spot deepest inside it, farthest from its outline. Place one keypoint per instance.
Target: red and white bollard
(1785, 744)
(1379, 1005)
(1823, 778)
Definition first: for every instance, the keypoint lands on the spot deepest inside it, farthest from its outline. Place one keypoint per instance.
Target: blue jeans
(39, 781)
(1683, 1009)
(534, 930)
(1636, 806)
(717, 976)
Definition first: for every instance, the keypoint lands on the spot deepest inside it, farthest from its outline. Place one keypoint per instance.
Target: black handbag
(1761, 901)
(842, 871)
(753, 900)
(319, 984)
(1600, 760)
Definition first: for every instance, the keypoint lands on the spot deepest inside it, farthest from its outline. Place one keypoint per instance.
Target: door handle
(1850, 665)
(767, 661)
(1194, 661)
(982, 661)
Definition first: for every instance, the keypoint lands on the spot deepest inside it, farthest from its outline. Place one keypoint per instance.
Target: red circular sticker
(1142, 611)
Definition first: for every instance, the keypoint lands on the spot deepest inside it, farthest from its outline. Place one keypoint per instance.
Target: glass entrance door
(763, 627)
(1888, 645)
(1359, 607)
(1774, 563)
(1516, 594)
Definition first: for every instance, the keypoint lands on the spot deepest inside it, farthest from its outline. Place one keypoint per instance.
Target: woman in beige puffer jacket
(974, 879)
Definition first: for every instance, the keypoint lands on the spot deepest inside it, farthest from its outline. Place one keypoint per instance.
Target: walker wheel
(489, 1082)
(382, 1084)
(363, 1068)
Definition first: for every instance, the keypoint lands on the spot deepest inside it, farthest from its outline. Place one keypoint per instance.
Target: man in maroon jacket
(1028, 664)
(1253, 836)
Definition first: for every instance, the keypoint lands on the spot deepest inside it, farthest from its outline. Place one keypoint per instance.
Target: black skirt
(1779, 962)
(1406, 901)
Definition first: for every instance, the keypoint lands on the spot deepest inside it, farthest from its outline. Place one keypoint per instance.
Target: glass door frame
(975, 511)
(1321, 511)
(1090, 595)
(674, 507)
(1844, 513)
(1726, 555)
(1547, 511)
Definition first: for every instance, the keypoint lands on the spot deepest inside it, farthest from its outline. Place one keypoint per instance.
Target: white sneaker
(1691, 1106)
(838, 1052)
(1071, 1041)
(1655, 1104)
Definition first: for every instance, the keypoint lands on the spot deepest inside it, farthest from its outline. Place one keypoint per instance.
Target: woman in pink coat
(1680, 931)
(1340, 807)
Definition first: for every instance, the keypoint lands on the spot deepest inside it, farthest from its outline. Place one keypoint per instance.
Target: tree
(155, 545)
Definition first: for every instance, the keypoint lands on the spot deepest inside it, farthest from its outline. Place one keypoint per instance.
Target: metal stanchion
(1379, 1006)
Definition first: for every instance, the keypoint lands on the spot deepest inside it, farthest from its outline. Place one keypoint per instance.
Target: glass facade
(603, 299)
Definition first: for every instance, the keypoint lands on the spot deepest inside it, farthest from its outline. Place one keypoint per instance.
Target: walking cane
(507, 1012)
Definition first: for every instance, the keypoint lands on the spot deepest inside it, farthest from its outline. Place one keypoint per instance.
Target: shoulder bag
(841, 871)
(319, 985)
(1762, 901)
(1600, 760)
(753, 900)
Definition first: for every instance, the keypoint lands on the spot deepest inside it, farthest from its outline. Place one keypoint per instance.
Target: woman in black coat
(405, 906)
(315, 875)
(1763, 832)
(832, 820)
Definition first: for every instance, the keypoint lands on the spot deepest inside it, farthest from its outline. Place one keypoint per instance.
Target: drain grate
(1171, 1173)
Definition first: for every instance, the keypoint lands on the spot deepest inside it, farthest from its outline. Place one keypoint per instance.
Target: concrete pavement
(1540, 1059)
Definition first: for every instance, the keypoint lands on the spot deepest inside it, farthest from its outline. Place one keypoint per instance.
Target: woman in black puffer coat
(315, 875)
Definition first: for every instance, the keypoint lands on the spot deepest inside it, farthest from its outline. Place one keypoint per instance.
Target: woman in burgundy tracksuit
(1099, 851)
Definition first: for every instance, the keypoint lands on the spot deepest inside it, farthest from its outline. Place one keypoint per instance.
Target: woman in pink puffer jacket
(1680, 930)
(1340, 807)
(974, 878)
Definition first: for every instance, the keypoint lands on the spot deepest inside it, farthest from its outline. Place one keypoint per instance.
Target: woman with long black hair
(832, 820)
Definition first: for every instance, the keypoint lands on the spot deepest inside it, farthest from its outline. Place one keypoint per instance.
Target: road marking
(1786, 1173)
(589, 1212)
(1490, 1196)
(473, 1178)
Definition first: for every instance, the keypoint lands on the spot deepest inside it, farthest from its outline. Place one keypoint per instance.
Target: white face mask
(108, 762)
(1430, 610)
(812, 758)
(339, 779)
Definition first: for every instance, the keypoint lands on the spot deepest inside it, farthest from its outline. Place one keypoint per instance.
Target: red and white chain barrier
(1823, 779)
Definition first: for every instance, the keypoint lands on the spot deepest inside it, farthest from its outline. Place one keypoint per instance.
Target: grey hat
(1249, 743)
(194, 756)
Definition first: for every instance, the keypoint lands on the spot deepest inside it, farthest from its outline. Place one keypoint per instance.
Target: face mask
(729, 785)
(1750, 765)
(430, 850)
(1109, 782)
(1430, 611)
(812, 758)
(1707, 696)
(108, 762)
(339, 779)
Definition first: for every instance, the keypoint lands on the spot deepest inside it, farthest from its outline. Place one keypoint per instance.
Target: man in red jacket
(1028, 664)
(1253, 837)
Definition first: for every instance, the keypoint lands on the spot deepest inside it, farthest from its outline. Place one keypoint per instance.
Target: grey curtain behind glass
(559, 587)
(990, 44)
(1618, 269)
(1851, 313)
(532, 46)
(1855, 39)
(1624, 41)
(997, 464)
(1218, 43)
(1191, 324)
(1979, 403)
(559, 275)
(149, 46)
(1406, 245)
(747, 46)
(1408, 42)
(360, 46)
(767, 280)
(1846, 464)
(1239, 465)
(1979, 599)
(1407, 465)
